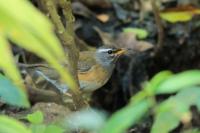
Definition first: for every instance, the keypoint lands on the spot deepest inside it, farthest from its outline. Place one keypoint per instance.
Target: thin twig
(159, 25)
(32, 65)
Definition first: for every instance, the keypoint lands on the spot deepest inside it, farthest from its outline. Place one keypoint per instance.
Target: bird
(94, 69)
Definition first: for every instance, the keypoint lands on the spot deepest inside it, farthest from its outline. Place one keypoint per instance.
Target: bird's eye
(110, 51)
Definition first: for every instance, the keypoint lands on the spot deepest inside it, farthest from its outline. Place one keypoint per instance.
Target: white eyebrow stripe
(104, 50)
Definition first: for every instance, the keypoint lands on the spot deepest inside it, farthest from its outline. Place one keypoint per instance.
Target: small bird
(94, 70)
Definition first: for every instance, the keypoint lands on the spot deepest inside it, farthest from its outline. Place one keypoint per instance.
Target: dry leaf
(103, 17)
(106, 38)
(124, 40)
(128, 40)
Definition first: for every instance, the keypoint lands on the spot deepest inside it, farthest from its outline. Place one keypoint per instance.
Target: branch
(66, 35)
(159, 25)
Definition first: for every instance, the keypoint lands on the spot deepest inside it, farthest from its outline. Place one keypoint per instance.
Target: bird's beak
(120, 52)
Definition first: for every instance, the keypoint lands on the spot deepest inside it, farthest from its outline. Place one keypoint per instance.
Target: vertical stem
(159, 25)
(66, 35)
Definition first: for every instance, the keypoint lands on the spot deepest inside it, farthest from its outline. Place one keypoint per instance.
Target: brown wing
(85, 62)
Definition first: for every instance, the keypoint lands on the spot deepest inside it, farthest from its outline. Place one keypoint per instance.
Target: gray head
(107, 56)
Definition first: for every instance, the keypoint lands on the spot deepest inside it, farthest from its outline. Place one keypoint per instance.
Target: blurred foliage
(85, 119)
(37, 37)
(170, 112)
(175, 109)
(175, 17)
(140, 33)
(11, 94)
(10, 125)
(179, 81)
(37, 125)
(179, 14)
(35, 118)
(126, 117)
(29, 29)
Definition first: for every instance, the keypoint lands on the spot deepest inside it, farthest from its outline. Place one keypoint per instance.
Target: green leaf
(11, 94)
(168, 116)
(175, 109)
(54, 129)
(164, 123)
(35, 118)
(124, 118)
(37, 37)
(175, 17)
(182, 13)
(179, 81)
(140, 33)
(189, 96)
(151, 86)
(35, 128)
(7, 63)
(157, 80)
(10, 125)
(41, 28)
